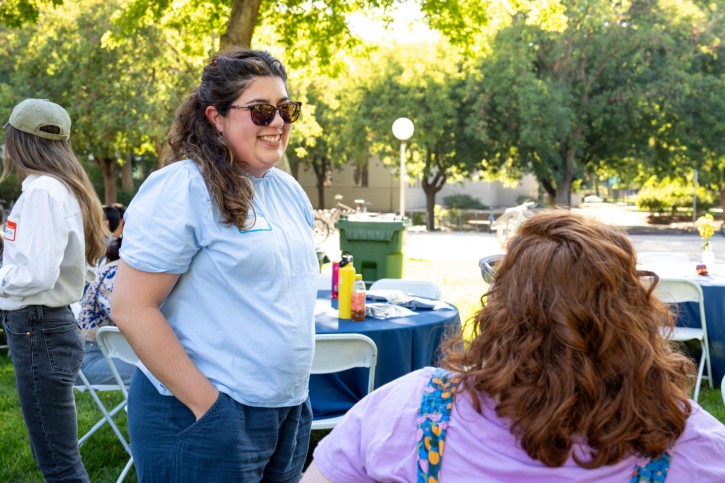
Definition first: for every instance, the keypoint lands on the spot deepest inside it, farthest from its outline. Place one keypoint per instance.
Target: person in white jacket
(54, 231)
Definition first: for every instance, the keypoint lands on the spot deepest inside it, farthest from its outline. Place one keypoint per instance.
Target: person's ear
(216, 119)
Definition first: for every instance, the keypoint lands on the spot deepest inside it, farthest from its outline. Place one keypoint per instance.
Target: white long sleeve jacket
(44, 256)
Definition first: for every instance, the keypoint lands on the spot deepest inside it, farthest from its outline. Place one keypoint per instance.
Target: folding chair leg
(125, 471)
(101, 422)
(706, 351)
(107, 417)
(698, 381)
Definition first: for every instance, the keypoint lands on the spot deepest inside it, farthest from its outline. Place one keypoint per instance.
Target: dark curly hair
(192, 135)
(568, 344)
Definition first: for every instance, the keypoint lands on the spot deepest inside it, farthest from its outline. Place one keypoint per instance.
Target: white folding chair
(340, 352)
(666, 264)
(93, 390)
(421, 288)
(680, 290)
(113, 344)
(107, 418)
(646, 258)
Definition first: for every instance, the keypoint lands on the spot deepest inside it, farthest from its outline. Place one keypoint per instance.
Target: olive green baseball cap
(32, 114)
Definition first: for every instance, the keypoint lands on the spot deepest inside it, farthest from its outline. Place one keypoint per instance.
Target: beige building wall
(490, 193)
(381, 194)
(383, 191)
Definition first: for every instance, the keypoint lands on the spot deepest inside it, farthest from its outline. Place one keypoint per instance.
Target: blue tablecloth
(688, 314)
(404, 345)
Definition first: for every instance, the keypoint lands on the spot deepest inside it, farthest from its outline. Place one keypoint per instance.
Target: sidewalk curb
(655, 230)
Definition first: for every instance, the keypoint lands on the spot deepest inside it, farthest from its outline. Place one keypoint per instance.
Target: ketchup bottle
(335, 284)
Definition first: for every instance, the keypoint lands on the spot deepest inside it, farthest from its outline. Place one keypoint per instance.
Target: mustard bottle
(346, 276)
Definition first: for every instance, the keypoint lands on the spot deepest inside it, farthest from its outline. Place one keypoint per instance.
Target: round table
(404, 345)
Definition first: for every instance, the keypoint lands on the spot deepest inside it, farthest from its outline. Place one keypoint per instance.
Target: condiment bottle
(335, 284)
(346, 275)
(358, 299)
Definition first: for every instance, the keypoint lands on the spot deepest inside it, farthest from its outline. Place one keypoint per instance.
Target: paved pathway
(470, 246)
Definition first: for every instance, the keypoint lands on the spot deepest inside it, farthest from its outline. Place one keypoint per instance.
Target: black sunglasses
(488, 267)
(263, 114)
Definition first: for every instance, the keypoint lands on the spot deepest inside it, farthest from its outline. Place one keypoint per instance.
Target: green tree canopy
(119, 92)
(16, 13)
(557, 98)
(691, 132)
(424, 83)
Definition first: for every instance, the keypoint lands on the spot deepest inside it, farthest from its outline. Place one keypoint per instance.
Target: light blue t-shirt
(243, 306)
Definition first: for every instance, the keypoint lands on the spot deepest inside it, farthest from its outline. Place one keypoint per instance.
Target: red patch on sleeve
(10, 228)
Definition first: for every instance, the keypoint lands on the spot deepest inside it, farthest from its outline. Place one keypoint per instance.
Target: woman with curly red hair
(567, 379)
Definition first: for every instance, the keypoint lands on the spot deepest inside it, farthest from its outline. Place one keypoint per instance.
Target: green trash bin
(375, 243)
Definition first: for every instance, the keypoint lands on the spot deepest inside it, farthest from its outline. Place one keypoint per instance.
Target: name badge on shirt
(260, 223)
(10, 229)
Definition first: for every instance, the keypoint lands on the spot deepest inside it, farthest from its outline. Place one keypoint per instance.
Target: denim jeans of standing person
(46, 347)
(231, 442)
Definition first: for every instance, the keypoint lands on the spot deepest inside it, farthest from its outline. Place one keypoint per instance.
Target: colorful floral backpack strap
(654, 471)
(435, 411)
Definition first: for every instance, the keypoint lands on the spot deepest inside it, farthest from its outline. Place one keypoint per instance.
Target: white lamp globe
(403, 128)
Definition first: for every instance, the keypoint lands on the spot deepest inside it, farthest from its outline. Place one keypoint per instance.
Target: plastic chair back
(340, 352)
(681, 290)
(420, 288)
(113, 344)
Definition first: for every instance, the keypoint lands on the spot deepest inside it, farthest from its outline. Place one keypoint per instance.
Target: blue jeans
(46, 347)
(231, 442)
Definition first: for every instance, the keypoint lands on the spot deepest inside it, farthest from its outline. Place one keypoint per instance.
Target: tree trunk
(722, 202)
(127, 175)
(241, 24)
(550, 191)
(596, 185)
(430, 205)
(294, 169)
(320, 167)
(563, 193)
(320, 195)
(108, 169)
(431, 187)
(563, 187)
(360, 175)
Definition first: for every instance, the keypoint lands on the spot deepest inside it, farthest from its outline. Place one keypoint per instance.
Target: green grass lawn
(104, 456)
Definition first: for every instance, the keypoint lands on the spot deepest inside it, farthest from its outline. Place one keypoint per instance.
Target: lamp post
(403, 130)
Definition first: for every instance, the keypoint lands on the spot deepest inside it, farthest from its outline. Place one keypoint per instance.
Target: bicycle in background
(508, 223)
(325, 220)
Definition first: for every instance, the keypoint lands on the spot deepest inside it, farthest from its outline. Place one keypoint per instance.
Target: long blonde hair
(34, 155)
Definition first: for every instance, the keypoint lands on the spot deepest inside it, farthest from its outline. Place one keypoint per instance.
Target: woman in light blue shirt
(216, 287)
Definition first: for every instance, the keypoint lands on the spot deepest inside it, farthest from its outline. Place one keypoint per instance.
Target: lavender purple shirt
(376, 441)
